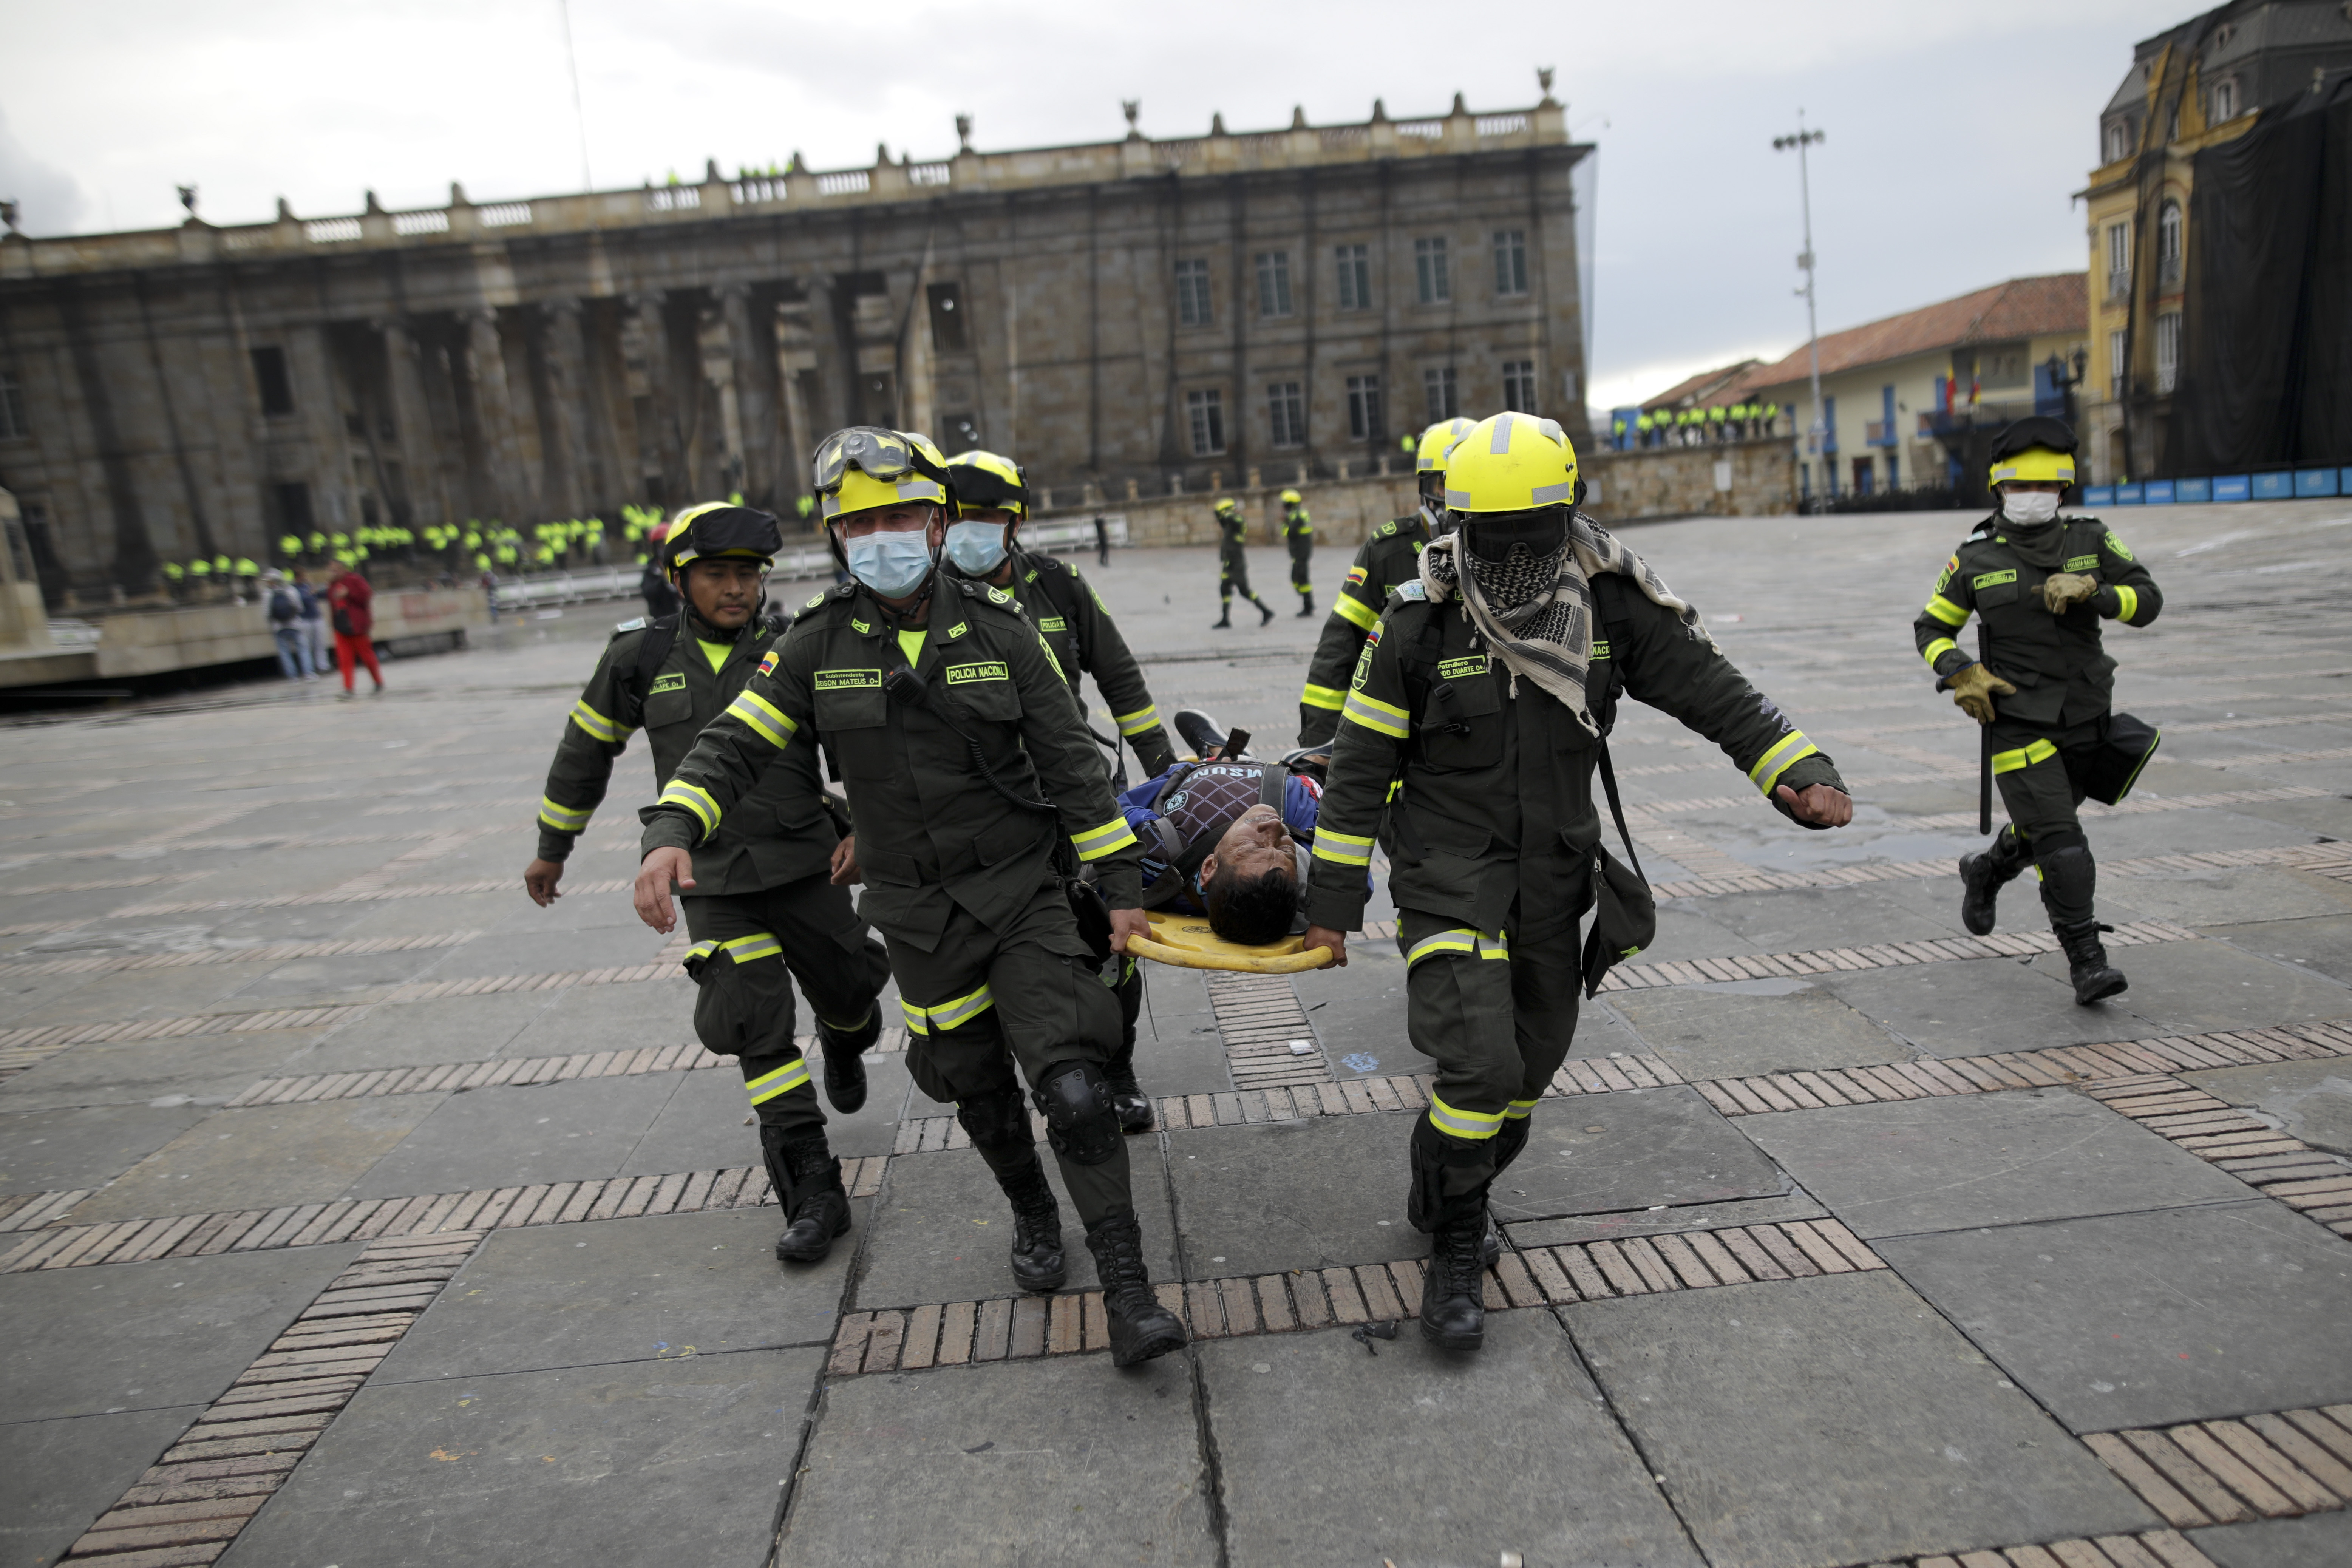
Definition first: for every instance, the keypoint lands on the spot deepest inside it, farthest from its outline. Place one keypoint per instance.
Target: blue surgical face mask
(976, 548)
(893, 564)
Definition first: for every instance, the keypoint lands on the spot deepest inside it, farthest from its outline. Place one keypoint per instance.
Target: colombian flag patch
(1355, 576)
(768, 664)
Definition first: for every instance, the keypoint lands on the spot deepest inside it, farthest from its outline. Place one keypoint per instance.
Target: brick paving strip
(2150, 1549)
(2327, 859)
(364, 1219)
(102, 884)
(265, 953)
(193, 1502)
(1887, 955)
(955, 1332)
(2273, 1466)
(2311, 1179)
(349, 894)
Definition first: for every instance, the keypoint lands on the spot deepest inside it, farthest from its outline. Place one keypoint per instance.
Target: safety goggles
(879, 454)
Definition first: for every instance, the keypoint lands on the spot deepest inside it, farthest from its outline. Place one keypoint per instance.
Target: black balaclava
(1516, 558)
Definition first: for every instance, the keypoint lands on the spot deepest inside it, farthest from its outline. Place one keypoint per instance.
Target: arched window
(2168, 242)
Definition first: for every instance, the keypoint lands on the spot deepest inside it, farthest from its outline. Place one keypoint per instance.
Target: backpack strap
(661, 636)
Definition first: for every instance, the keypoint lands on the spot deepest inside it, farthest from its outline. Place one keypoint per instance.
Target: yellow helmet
(983, 481)
(1225, 505)
(719, 528)
(2034, 464)
(866, 467)
(1438, 440)
(1513, 462)
(1290, 498)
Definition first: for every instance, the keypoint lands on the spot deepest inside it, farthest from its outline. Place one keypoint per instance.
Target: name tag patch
(1984, 580)
(1600, 649)
(1458, 669)
(674, 681)
(962, 674)
(1052, 623)
(2082, 563)
(848, 679)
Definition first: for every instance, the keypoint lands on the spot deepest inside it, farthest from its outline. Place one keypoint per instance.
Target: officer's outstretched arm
(596, 731)
(730, 756)
(1375, 721)
(1070, 766)
(1667, 666)
(2130, 594)
(1354, 612)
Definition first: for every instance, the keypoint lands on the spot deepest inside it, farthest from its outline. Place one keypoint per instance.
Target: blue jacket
(1302, 802)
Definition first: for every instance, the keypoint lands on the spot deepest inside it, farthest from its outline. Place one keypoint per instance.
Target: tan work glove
(2062, 591)
(1974, 689)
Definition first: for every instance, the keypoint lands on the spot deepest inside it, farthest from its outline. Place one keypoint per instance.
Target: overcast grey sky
(1955, 133)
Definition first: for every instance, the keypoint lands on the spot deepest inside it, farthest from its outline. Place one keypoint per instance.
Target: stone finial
(188, 199)
(1298, 117)
(963, 133)
(1380, 112)
(710, 171)
(8, 211)
(371, 205)
(457, 195)
(881, 154)
(1460, 108)
(1217, 123)
(1543, 80)
(285, 210)
(1130, 107)
(799, 165)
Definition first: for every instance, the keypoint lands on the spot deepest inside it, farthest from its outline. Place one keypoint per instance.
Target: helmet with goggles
(717, 530)
(984, 481)
(866, 467)
(2037, 449)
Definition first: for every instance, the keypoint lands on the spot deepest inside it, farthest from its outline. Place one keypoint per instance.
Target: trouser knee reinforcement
(2070, 881)
(1079, 1121)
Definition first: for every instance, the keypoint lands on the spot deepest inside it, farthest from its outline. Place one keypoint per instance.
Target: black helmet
(716, 528)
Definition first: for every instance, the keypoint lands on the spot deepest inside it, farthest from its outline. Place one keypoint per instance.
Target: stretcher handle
(1192, 957)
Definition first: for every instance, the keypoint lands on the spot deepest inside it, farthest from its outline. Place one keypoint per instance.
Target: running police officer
(1390, 556)
(1298, 534)
(941, 712)
(992, 501)
(1233, 566)
(2043, 584)
(1485, 690)
(764, 903)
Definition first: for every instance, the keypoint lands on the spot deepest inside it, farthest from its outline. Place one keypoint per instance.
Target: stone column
(420, 461)
(485, 368)
(755, 429)
(571, 487)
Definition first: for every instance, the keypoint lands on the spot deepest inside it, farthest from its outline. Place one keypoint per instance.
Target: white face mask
(2026, 507)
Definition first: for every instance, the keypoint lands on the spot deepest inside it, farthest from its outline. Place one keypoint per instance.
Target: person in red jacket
(348, 598)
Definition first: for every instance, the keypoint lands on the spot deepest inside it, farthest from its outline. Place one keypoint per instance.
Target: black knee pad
(1079, 1123)
(996, 1120)
(2070, 882)
(2057, 840)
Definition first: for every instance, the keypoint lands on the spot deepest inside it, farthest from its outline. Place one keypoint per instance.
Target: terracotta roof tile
(2020, 308)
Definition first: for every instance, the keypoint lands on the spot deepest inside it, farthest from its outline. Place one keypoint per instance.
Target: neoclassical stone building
(1127, 318)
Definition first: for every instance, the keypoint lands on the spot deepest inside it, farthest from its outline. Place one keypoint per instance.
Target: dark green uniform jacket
(1233, 532)
(1077, 625)
(1495, 822)
(927, 819)
(2061, 675)
(781, 833)
(1390, 557)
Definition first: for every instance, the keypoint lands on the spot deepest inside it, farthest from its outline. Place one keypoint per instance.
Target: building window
(1437, 390)
(2119, 138)
(2225, 101)
(2118, 260)
(1364, 408)
(1519, 386)
(946, 318)
(2115, 363)
(1208, 412)
(2167, 243)
(12, 409)
(1192, 293)
(1274, 283)
(1355, 278)
(269, 375)
(1510, 261)
(1287, 412)
(1429, 270)
(2167, 352)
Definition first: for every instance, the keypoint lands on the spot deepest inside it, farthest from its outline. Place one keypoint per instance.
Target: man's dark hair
(1252, 911)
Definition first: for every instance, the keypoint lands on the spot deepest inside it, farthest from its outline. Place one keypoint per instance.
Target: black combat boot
(1036, 1229)
(811, 1191)
(845, 1069)
(1224, 621)
(1141, 1328)
(2095, 978)
(1264, 615)
(1509, 1143)
(1453, 1287)
(1983, 874)
(1306, 605)
(1127, 1100)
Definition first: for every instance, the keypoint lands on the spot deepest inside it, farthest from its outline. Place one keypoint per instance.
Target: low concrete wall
(1344, 510)
(156, 642)
(1740, 479)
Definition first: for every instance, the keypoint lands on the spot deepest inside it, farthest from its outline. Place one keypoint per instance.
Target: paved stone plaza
(361, 1212)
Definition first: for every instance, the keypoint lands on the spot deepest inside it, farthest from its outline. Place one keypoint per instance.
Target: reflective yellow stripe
(1485, 945)
(2126, 601)
(1355, 612)
(697, 801)
(1518, 1109)
(699, 949)
(1133, 723)
(1493, 946)
(1381, 718)
(770, 722)
(1342, 848)
(758, 944)
(947, 1015)
(2023, 757)
(562, 818)
(1097, 842)
(595, 724)
(1938, 649)
(784, 1081)
(1462, 1123)
(1324, 696)
(1793, 748)
(1946, 611)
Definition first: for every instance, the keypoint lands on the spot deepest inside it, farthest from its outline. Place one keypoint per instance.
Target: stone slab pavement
(353, 1210)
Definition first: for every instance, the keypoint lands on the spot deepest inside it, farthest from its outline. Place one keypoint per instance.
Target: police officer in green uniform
(1485, 690)
(992, 501)
(1233, 566)
(764, 903)
(942, 712)
(1298, 534)
(2043, 584)
(1390, 556)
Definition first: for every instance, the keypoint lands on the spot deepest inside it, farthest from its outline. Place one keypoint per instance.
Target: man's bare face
(725, 590)
(1255, 844)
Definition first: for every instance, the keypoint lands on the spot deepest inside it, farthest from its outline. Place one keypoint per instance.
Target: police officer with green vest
(976, 789)
(1299, 535)
(1233, 566)
(2042, 584)
(1483, 696)
(1390, 556)
(991, 502)
(763, 910)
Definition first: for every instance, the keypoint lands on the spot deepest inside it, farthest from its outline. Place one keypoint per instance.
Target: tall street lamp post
(1801, 139)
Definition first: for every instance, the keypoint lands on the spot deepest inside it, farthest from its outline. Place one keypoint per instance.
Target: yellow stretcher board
(1187, 941)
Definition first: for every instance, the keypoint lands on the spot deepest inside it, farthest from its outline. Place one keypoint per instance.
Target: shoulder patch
(1386, 531)
(812, 604)
(1413, 589)
(768, 663)
(2119, 549)
(637, 625)
(1355, 576)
